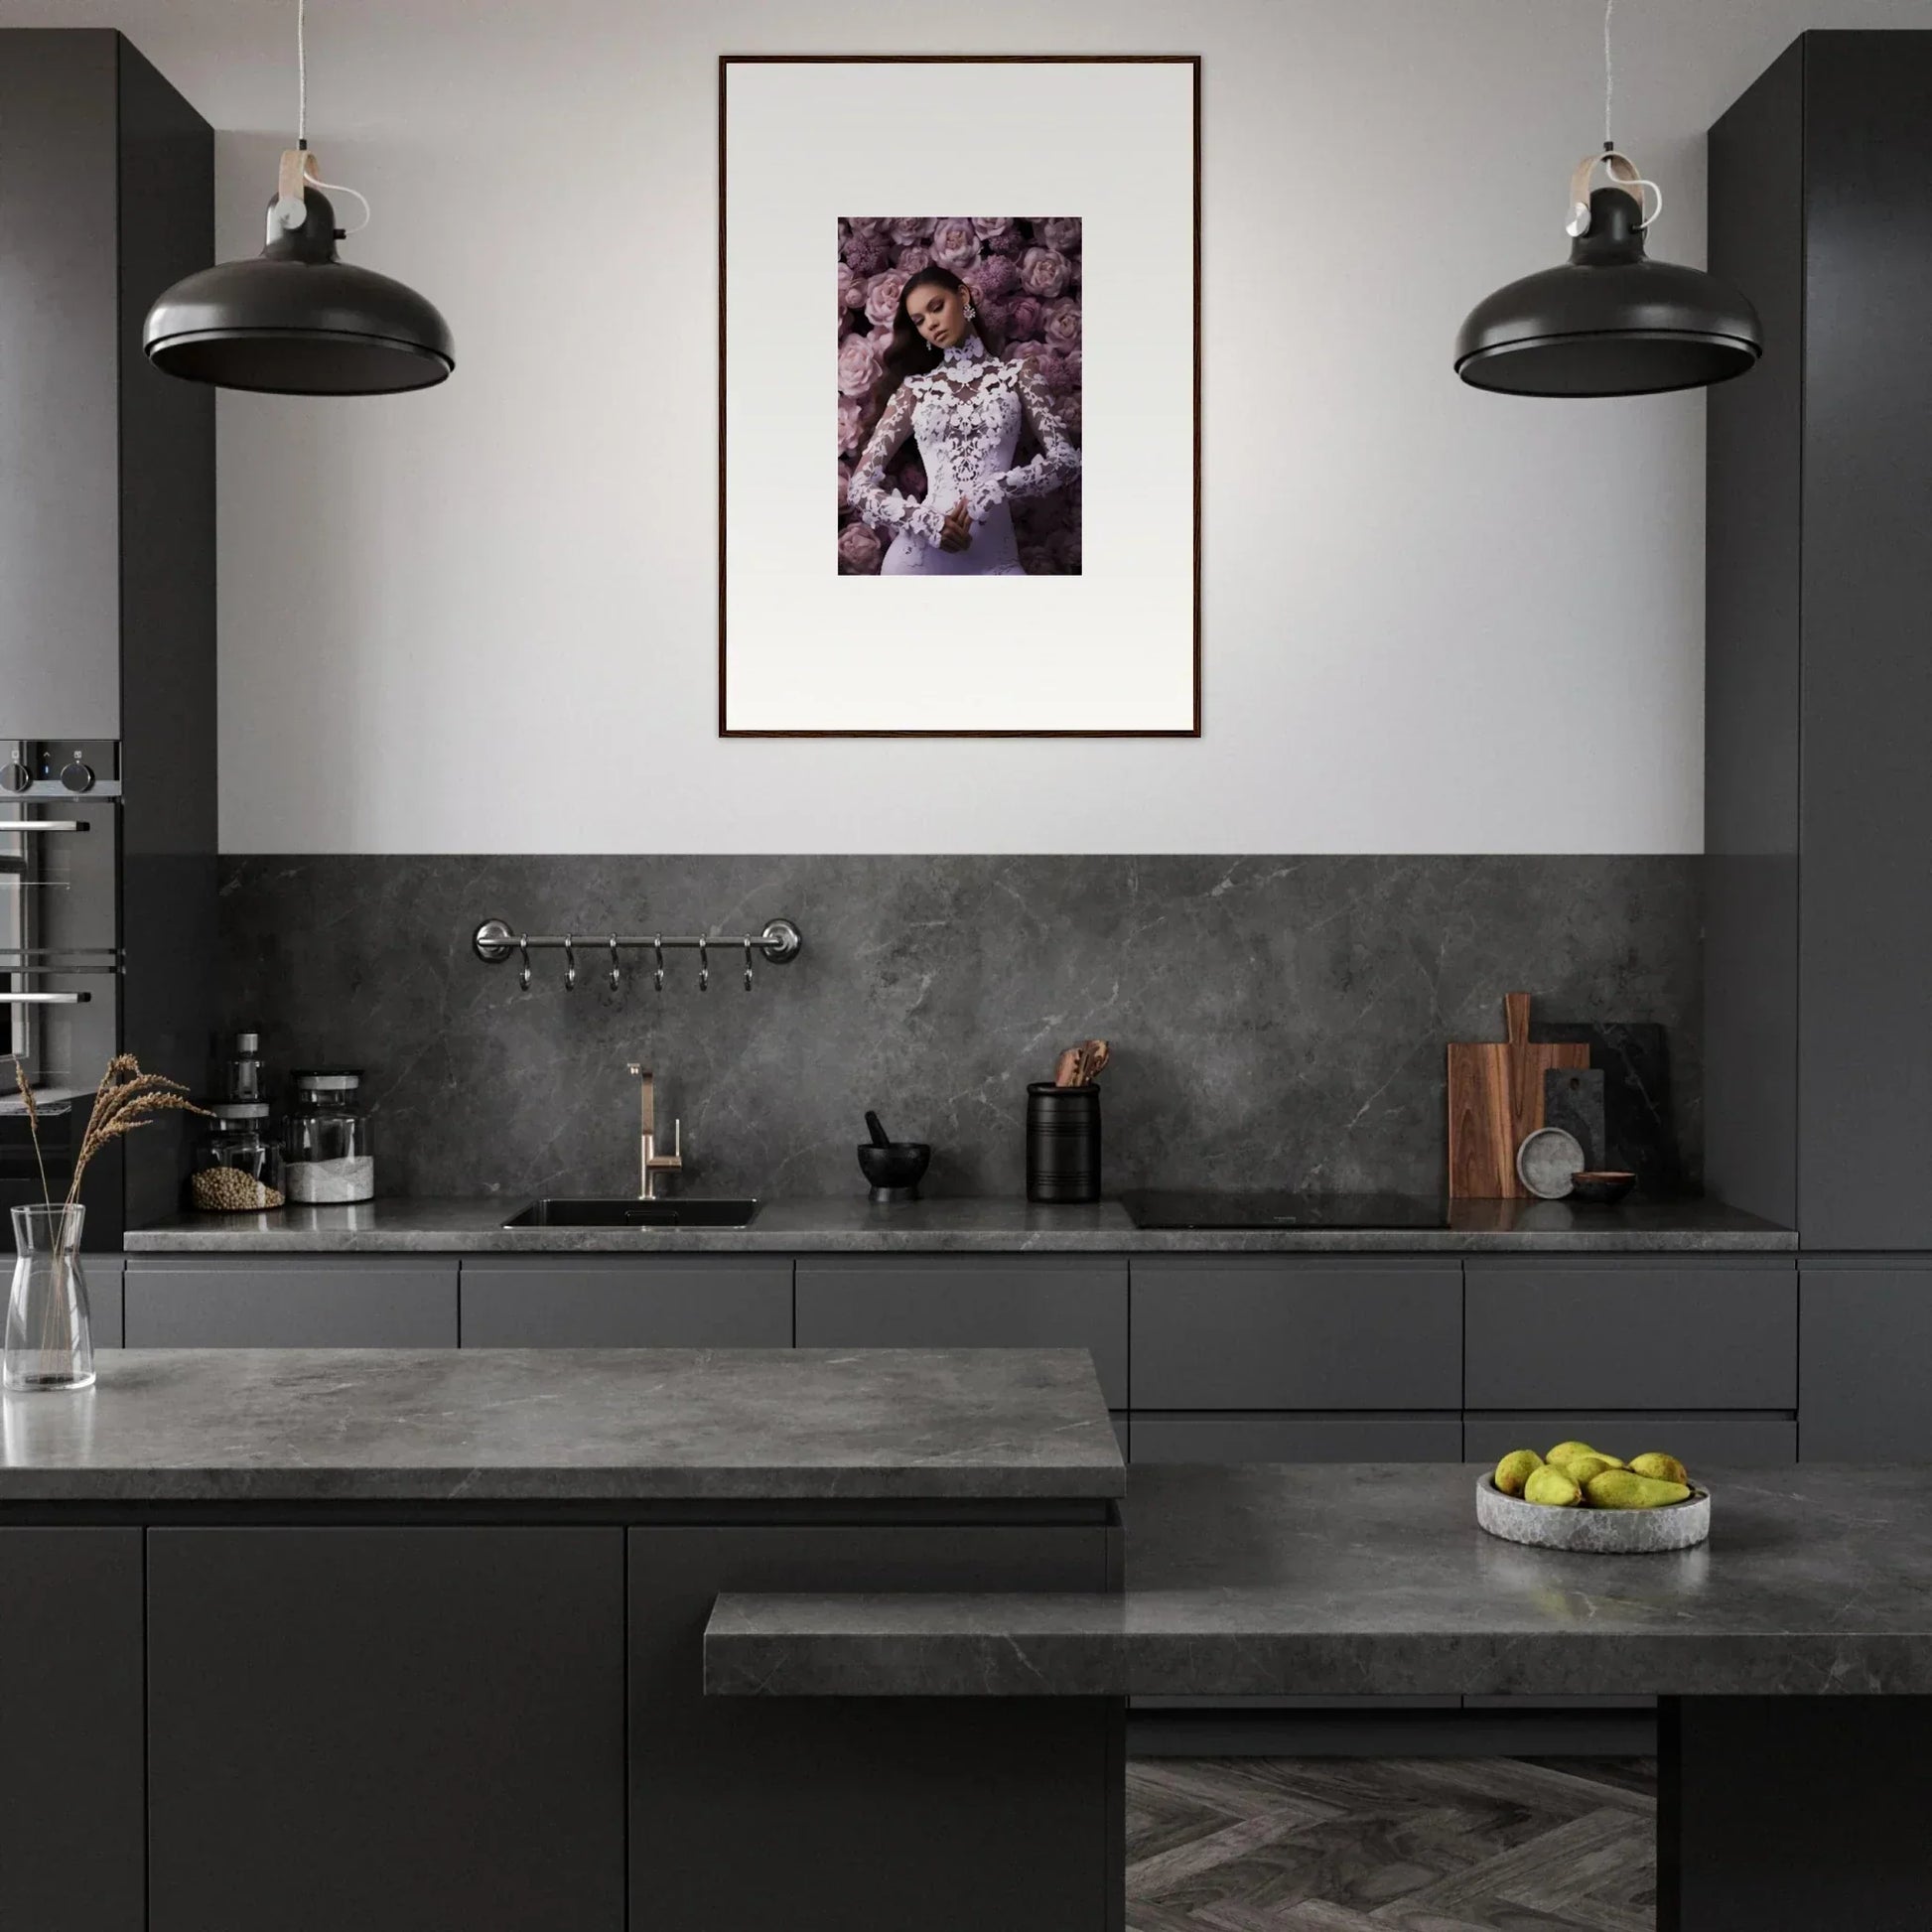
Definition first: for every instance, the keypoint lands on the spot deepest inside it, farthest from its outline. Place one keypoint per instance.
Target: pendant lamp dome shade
(1610, 321)
(298, 319)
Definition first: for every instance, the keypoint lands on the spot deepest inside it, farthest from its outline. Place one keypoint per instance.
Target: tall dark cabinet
(1819, 694)
(107, 683)
(1818, 718)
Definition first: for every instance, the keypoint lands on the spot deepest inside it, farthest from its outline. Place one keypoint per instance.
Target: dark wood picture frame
(728, 61)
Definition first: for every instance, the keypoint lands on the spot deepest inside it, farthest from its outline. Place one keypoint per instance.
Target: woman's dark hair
(909, 352)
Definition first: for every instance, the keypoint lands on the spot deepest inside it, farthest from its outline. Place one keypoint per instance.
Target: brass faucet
(651, 1163)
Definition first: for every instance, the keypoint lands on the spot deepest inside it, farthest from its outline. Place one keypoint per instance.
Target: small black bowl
(896, 1168)
(1599, 1186)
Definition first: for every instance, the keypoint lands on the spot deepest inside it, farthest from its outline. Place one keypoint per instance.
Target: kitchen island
(1792, 1652)
(390, 1639)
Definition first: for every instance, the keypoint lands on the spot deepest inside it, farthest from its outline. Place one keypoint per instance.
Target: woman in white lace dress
(965, 406)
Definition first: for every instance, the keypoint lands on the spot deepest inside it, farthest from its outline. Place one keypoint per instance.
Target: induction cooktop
(1158, 1209)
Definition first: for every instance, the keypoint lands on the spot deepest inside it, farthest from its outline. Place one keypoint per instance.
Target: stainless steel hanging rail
(496, 940)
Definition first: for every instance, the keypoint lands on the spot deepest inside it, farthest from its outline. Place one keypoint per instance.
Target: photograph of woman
(967, 456)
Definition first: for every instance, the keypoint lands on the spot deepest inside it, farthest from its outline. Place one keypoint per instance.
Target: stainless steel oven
(60, 959)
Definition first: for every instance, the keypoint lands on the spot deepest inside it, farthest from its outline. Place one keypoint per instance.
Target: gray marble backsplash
(1276, 1022)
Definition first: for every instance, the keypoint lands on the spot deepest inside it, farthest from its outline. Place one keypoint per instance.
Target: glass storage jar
(330, 1156)
(238, 1164)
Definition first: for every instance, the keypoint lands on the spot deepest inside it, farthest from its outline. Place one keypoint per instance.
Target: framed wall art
(1012, 546)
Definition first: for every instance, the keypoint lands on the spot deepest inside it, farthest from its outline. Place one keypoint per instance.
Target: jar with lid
(238, 1161)
(238, 1066)
(330, 1156)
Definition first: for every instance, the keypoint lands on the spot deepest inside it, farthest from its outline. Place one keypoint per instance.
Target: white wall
(484, 619)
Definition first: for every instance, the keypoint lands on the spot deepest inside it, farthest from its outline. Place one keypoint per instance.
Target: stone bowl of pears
(1581, 1499)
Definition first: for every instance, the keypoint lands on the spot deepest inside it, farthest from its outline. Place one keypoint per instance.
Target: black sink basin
(622, 1212)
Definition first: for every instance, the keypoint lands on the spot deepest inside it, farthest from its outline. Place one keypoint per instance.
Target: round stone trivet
(1598, 1532)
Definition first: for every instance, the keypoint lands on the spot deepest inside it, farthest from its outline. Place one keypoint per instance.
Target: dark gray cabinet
(106, 528)
(618, 1302)
(1231, 1438)
(318, 1301)
(386, 1729)
(1866, 1393)
(1555, 1334)
(1266, 1331)
(970, 1301)
(1818, 681)
(1739, 1438)
(72, 1844)
(103, 1273)
(740, 1805)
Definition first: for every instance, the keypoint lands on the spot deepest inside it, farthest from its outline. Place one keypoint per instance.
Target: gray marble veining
(1276, 1022)
(961, 1225)
(1374, 1579)
(557, 1425)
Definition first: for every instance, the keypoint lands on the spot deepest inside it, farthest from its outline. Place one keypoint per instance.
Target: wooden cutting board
(1495, 1099)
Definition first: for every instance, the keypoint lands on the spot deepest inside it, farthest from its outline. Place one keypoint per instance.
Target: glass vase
(50, 1338)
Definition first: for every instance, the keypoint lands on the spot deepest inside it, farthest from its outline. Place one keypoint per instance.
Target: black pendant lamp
(298, 321)
(1610, 321)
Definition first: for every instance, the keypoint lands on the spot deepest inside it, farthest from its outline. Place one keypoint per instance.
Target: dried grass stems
(126, 1099)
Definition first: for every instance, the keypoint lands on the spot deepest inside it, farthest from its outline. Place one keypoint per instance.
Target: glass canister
(238, 1066)
(330, 1156)
(239, 1163)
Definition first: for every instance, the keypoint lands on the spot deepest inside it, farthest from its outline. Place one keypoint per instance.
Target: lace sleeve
(1058, 463)
(883, 508)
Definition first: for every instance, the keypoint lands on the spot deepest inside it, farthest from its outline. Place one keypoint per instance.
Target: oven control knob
(78, 776)
(14, 776)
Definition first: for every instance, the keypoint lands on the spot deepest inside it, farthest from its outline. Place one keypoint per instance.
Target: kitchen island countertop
(564, 1425)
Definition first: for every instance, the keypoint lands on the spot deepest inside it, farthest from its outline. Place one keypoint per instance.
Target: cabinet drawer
(1298, 1439)
(1764, 1441)
(1262, 1332)
(1548, 1336)
(616, 1301)
(373, 1302)
(962, 1301)
(1867, 1362)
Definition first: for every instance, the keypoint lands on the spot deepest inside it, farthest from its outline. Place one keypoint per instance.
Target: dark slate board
(1638, 1131)
(1573, 1099)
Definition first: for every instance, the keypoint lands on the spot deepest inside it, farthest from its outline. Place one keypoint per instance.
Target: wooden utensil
(1495, 1100)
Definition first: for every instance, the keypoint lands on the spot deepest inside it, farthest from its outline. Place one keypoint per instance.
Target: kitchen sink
(619, 1211)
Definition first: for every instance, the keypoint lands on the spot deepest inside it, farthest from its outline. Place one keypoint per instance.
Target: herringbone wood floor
(1390, 1845)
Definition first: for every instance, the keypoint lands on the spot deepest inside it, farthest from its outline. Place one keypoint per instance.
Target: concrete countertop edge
(949, 1225)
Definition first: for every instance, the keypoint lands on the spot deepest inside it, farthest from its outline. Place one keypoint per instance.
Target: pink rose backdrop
(1024, 274)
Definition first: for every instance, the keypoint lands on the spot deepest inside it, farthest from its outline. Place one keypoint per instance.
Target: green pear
(1550, 1485)
(1666, 1468)
(1515, 1469)
(1625, 1489)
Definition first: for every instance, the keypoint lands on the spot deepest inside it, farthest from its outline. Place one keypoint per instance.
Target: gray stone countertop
(556, 1425)
(960, 1226)
(1268, 1579)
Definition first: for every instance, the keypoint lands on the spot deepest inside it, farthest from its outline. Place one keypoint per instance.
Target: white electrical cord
(1609, 73)
(291, 212)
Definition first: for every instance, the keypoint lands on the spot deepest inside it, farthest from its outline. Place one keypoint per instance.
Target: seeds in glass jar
(230, 1190)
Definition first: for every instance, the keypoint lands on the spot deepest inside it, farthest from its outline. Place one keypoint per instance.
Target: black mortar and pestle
(895, 1167)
